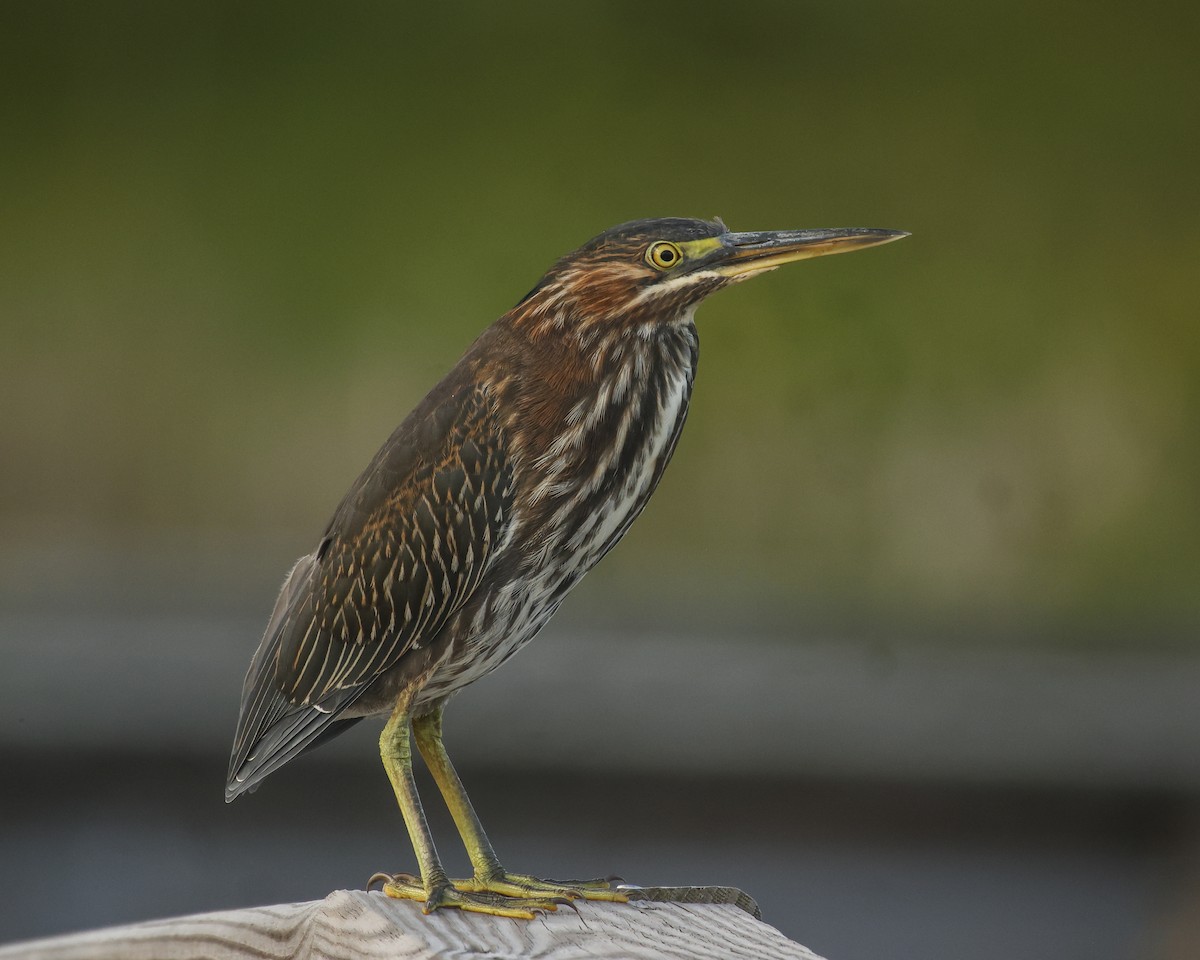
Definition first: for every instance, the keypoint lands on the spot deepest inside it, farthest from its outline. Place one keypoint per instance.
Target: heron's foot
(404, 886)
(522, 885)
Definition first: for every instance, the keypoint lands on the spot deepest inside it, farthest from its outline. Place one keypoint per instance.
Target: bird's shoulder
(453, 432)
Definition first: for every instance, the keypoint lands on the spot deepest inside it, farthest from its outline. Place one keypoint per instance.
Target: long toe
(402, 886)
(466, 895)
(599, 883)
(520, 885)
(495, 904)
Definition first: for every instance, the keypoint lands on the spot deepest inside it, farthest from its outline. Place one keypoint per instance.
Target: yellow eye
(664, 255)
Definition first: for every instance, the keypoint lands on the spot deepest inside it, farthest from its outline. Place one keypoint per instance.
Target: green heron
(520, 470)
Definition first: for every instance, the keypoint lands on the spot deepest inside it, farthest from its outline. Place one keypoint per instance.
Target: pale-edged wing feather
(406, 548)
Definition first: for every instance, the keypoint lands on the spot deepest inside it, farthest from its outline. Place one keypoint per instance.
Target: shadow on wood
(351, 924)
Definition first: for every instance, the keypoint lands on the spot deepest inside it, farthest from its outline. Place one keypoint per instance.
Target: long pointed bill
(742, 255)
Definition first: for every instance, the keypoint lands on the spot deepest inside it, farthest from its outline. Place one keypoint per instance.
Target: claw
(406, 879)
(379, 877)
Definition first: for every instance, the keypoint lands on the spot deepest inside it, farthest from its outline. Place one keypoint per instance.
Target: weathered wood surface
(352, 924)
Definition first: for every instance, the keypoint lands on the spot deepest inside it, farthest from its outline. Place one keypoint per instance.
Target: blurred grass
(240, 242)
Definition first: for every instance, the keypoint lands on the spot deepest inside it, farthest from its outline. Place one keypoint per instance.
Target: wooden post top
(362, 925)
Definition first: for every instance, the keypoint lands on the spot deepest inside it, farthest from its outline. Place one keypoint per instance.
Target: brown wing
(406, 548)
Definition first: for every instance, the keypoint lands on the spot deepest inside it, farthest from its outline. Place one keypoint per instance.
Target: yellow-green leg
(490, 876)
(433, 887)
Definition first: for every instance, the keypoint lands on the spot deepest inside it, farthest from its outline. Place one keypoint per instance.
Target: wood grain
(361, 925)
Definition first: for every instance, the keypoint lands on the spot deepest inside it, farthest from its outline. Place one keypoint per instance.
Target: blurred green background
(917, 600)
(241, 240)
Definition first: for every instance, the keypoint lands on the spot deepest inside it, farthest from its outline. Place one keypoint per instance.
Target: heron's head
(650, 272)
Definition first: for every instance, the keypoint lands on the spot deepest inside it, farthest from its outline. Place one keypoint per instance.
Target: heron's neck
(606, 431)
